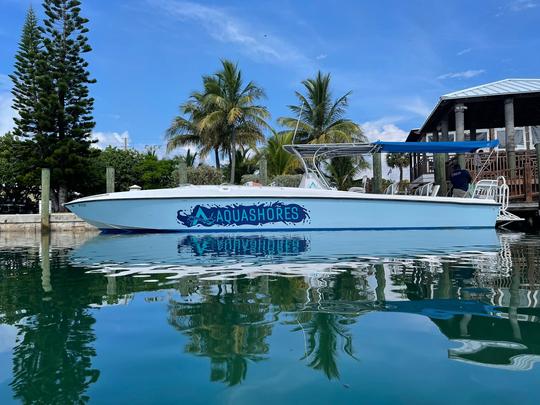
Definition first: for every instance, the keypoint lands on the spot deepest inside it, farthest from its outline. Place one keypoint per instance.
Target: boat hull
(195, 214)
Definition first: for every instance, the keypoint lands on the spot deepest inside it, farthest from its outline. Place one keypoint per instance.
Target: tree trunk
(216, 154)
(233, 157)
(401, 174)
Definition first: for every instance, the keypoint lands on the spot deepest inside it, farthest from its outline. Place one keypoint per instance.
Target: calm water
(321, 317)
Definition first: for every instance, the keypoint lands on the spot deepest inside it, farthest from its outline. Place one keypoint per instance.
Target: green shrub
(287, 180)
(250, 177)
(204, 175)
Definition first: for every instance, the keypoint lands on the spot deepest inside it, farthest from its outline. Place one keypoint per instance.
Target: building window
(535, 135)
(501, 136)
(482, 135)
(519, 138)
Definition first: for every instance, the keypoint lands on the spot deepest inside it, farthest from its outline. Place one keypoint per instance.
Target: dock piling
(263, 171)
(45, 198)
(440, 172)
(45, 262)
(537, 147)
(377, 173)
(182, 172)
(109, 176)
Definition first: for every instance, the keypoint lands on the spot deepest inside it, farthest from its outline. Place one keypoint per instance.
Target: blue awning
(434, 147)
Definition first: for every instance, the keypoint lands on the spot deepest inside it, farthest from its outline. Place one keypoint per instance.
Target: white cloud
(416, 105)
(384, 129)
(464, 51)
(467, 74)
(521, 5)
(114, 139)
(321, 56)
(224, 27)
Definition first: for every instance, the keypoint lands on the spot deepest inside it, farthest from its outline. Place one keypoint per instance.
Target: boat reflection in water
(295, 253)
(466, 281)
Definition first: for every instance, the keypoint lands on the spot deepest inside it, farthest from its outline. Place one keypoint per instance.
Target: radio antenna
(298, 122)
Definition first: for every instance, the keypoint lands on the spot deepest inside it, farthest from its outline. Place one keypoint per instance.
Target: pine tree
(25, 78)
(65, 106)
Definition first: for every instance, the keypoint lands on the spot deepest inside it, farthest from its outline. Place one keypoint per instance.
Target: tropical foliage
(343, 171)
(204, 174)
(186, 130)
(26, 76)
(278, 160)
(51, 96)
(319, 118)
(398, 160)
(221, 117)
(246, 163)
(224, 119)
(189, 158)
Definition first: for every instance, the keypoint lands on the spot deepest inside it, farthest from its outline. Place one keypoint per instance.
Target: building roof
(499, 88)
(485, 107)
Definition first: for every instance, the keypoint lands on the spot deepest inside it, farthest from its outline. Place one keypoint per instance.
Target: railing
(523, 186)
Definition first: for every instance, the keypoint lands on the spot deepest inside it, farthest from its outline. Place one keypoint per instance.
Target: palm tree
(319, 118)
(342, 171)
(231, 107)
(185, 128)
(190, 158)
(399, 160)
(279, 161)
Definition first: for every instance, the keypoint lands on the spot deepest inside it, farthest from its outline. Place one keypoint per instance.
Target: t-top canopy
(332, 150)
(434, 147)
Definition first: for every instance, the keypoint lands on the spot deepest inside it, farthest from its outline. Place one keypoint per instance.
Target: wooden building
(507, 110)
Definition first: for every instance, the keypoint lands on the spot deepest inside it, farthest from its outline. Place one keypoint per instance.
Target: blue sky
(397, 57)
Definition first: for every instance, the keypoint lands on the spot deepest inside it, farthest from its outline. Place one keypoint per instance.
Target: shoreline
(31, 223)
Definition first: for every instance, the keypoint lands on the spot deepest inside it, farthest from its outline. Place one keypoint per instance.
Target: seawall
(31, 223)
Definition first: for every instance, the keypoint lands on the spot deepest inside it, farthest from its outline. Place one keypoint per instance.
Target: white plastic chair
(487, 189)
(425, 190)
(392, 189)
(361, 189)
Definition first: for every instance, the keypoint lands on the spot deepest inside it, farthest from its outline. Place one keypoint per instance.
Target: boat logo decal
(252, 245)
(238, 214)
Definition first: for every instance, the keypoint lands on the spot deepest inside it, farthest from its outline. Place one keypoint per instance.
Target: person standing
(460, 179)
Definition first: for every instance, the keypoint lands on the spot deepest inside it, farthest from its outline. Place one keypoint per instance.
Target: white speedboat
(313, 206)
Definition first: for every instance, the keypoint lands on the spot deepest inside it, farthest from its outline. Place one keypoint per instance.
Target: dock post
(537, 147)
(377, 173)
(45, 198)
(182, 172)
(459, 110)
(109, 176)
(45, 262)
(263, 171)
(510, 133)
(440, 172)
